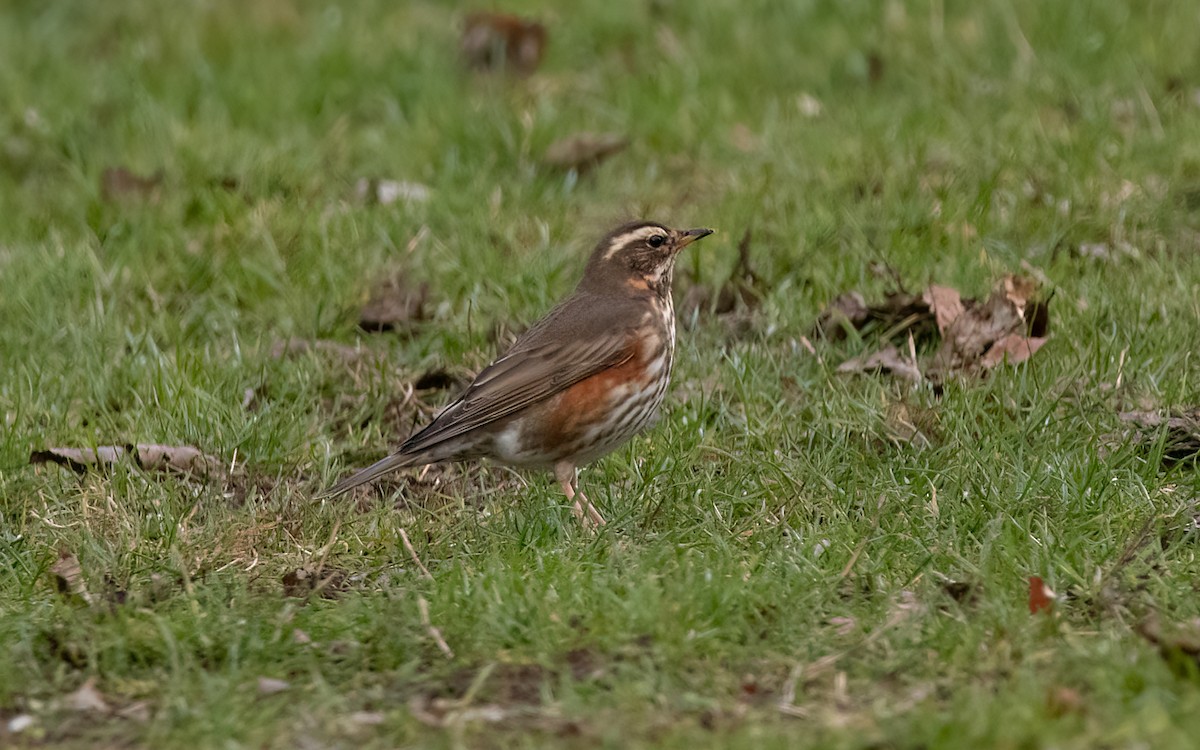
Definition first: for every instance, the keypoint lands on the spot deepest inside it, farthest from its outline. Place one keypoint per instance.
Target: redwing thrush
(575, 386)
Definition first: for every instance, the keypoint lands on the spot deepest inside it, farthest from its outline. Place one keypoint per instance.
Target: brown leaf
(1041, 597)
(1013, 349)
(1009, 321)
(492, 41)
(393, 305)
(848, 310)
(68, 576)
(886, 360)
(583, 151)
(119, 182)
(898, 313)
(150, 457)
(87, 698)
(946, 304)
(1181, 442)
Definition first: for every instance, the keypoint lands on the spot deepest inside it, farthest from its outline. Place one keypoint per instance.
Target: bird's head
(638, 256)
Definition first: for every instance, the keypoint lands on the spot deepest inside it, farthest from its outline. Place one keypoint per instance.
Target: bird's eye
(657, 240)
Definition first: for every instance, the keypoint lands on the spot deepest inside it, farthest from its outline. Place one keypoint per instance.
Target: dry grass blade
(434, 633)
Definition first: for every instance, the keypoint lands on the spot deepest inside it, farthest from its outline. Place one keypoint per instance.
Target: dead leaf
(899, 313)
(148, 456)
(848, 310)
(492, 41)
(1013, 349)
(68, 577)
(945, 303)
(87, 698)
(271, 685)
(1181, 442)
(393, 305)
(583, 151)
(887, 360)
(118, 182)
(387, 192)
(1041, 596)
(1010, 321)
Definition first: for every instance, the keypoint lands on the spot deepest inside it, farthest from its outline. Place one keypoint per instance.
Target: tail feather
(372, 472)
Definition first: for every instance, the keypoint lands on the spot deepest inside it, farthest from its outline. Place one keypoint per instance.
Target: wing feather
(538, 366)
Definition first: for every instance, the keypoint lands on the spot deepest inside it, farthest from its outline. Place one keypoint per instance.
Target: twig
(434, 633)
(413, 553)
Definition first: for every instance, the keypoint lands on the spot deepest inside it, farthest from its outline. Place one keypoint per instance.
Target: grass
(771, 537)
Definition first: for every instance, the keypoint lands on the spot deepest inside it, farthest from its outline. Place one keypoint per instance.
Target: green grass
(769, 535)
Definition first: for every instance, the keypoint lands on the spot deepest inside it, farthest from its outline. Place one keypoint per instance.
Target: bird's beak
(691, 235)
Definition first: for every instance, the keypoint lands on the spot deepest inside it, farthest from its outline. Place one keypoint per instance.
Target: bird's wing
(548, 359)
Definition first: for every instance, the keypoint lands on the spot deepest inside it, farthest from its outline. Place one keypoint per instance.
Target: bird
(577, 384)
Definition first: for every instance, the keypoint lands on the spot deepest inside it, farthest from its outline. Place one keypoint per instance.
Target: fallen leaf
(393, 305)
(148, 456)
(271, 686)
(583, 151)
(20, 723)
(68, 577)
(848, 310)
(1010, 320)
(1181, 443)
(899, 313)
(1013, 349)
(119, 182)
(945, 303)
(887, 360)
(1041, 596)
(87, 698)
(387, 192)
(492, 41)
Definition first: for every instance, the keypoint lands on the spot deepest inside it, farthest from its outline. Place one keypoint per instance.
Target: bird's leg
(593, 514)
(567, 479)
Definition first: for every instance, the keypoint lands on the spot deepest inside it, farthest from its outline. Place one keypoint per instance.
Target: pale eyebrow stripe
(622, 240)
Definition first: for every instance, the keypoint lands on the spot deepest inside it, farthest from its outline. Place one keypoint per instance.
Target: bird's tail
(374, 471)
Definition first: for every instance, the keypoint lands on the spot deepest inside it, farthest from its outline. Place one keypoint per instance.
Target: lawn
(795, 556)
